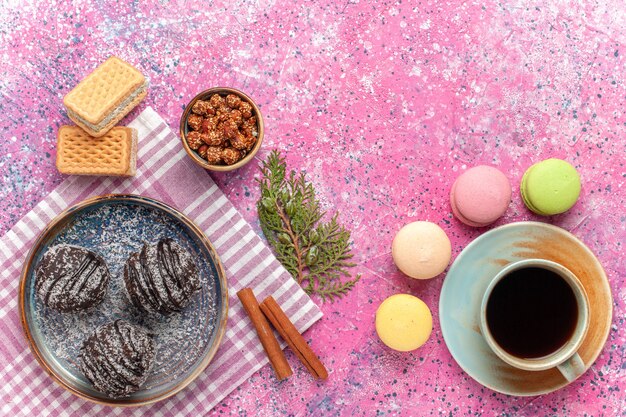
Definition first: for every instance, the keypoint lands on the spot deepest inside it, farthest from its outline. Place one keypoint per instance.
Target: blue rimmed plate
(114, 226)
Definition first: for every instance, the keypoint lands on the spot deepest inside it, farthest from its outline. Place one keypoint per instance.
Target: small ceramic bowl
(184, 129)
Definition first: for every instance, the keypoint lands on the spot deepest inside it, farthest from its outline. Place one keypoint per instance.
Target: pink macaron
(480, 196)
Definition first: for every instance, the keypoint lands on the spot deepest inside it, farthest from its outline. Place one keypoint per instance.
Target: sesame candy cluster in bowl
(221, 129)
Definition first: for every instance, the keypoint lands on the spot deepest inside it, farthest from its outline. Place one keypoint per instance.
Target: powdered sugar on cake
(70, 278)
(117, 358)
(161, 278)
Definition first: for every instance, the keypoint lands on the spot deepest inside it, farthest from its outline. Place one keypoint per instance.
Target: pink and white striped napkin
(166, 173)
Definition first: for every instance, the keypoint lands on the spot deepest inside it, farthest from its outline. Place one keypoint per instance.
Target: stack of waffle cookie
(96, 146)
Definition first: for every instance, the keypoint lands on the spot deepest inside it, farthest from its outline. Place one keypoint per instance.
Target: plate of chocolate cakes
(123, 300)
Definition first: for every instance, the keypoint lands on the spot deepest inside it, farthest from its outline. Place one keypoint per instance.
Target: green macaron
(550, 187)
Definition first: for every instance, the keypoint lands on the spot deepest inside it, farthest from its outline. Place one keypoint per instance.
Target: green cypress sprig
(316, 253)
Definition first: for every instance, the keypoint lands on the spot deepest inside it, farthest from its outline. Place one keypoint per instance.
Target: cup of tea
(535, 315)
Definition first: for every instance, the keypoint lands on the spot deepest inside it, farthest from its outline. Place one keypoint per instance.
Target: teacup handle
(572, 368)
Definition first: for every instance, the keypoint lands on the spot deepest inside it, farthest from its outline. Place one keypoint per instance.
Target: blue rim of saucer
(468, 277)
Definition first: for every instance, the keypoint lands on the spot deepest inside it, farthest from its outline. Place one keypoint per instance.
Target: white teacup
(565, 357)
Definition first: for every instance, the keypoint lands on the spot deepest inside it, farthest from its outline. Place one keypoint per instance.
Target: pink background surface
(383, 104)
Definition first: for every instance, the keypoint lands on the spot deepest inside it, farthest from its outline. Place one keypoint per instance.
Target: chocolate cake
(161, 278)
(71, 278)
(117, 358)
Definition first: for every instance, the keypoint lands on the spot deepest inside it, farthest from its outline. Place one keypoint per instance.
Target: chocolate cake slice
(117, 358)
(71, 278)
(161, 278)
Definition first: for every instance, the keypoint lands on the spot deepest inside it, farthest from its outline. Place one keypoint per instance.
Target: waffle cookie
(105, 96)
(115, 153)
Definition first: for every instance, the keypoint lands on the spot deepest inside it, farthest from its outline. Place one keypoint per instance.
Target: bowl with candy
(221, 129)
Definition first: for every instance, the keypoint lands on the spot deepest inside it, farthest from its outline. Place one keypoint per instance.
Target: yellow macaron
(403, 322)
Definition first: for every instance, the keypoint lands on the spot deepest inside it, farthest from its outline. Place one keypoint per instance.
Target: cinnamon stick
(294, 339)
(268, 340)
